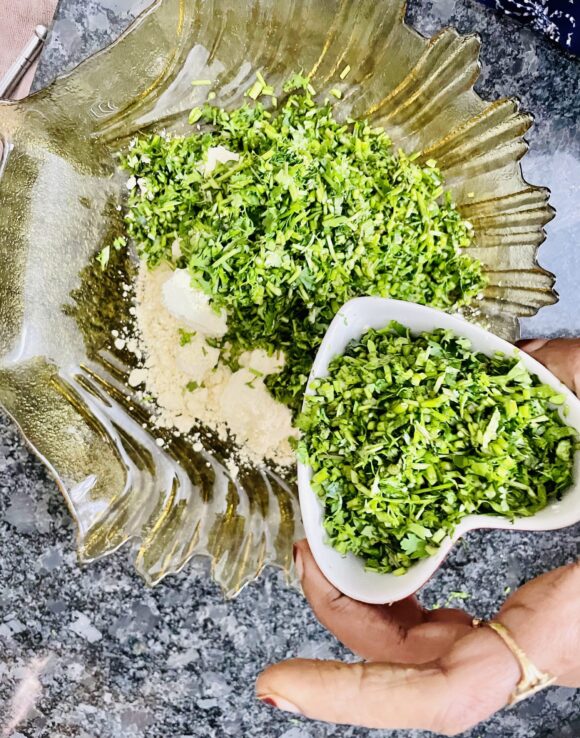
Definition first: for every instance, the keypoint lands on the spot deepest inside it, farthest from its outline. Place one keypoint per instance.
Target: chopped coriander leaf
(259, 88)
(314, 212)
(103, 257)
(104, 254)
(119, 243)
(185, 336)
(192, 386)
(409, 434)
(458, 596)
(195, 115)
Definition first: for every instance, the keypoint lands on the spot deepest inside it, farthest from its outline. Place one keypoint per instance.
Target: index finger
(447, 696)
(403, 632)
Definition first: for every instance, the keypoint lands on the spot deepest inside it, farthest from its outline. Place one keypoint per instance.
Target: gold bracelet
(533, 680)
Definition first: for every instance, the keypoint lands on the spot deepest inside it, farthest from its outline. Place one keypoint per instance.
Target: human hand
(560, 355)
(431, 669)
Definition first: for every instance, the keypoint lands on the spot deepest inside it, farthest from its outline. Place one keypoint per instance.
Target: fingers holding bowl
(403, 632)
(560, 355)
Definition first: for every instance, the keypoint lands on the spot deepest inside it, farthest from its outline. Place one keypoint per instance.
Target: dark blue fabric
(557, 19)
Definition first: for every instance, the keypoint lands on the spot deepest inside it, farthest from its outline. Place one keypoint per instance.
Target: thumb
(446, 696)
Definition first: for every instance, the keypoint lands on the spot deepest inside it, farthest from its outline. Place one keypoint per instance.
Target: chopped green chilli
(306, 213)
(409, 434)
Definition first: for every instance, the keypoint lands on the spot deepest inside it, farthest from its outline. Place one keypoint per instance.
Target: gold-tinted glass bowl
(60, 188)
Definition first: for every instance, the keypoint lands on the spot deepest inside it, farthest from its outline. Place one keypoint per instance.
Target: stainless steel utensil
(25, 60)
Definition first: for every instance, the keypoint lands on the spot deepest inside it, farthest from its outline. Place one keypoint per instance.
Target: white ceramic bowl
(347, 573)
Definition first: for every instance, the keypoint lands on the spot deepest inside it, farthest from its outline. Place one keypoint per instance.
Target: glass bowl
(61, 377)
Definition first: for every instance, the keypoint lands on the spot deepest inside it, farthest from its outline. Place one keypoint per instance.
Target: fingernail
(298, 563)
(280, 703)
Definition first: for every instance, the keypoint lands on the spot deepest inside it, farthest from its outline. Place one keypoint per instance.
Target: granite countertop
(98, 654)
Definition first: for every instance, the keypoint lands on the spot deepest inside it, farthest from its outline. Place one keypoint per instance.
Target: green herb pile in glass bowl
(305, 213)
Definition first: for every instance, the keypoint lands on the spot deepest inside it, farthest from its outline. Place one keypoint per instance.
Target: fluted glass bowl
(61, 378)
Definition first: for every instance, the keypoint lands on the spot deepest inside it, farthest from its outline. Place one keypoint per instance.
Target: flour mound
(189, 383)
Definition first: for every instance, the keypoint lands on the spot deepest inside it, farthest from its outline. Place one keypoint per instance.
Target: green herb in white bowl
(415, 435)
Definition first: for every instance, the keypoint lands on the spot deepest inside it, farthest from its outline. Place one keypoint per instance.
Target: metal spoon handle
(11, 79)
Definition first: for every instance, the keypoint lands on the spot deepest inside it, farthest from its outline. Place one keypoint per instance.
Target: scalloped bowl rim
(29, 120)
(347, 573)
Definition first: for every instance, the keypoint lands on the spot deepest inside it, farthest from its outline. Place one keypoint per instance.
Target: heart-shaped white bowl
(347, 573)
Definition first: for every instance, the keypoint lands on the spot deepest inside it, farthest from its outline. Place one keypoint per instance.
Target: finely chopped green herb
(409, 434)
(314, 212)
(185, 337)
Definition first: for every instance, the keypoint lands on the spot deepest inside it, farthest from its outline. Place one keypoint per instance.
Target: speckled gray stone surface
(106, 656)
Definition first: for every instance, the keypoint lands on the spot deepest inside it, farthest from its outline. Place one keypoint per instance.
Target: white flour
(218, 398)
